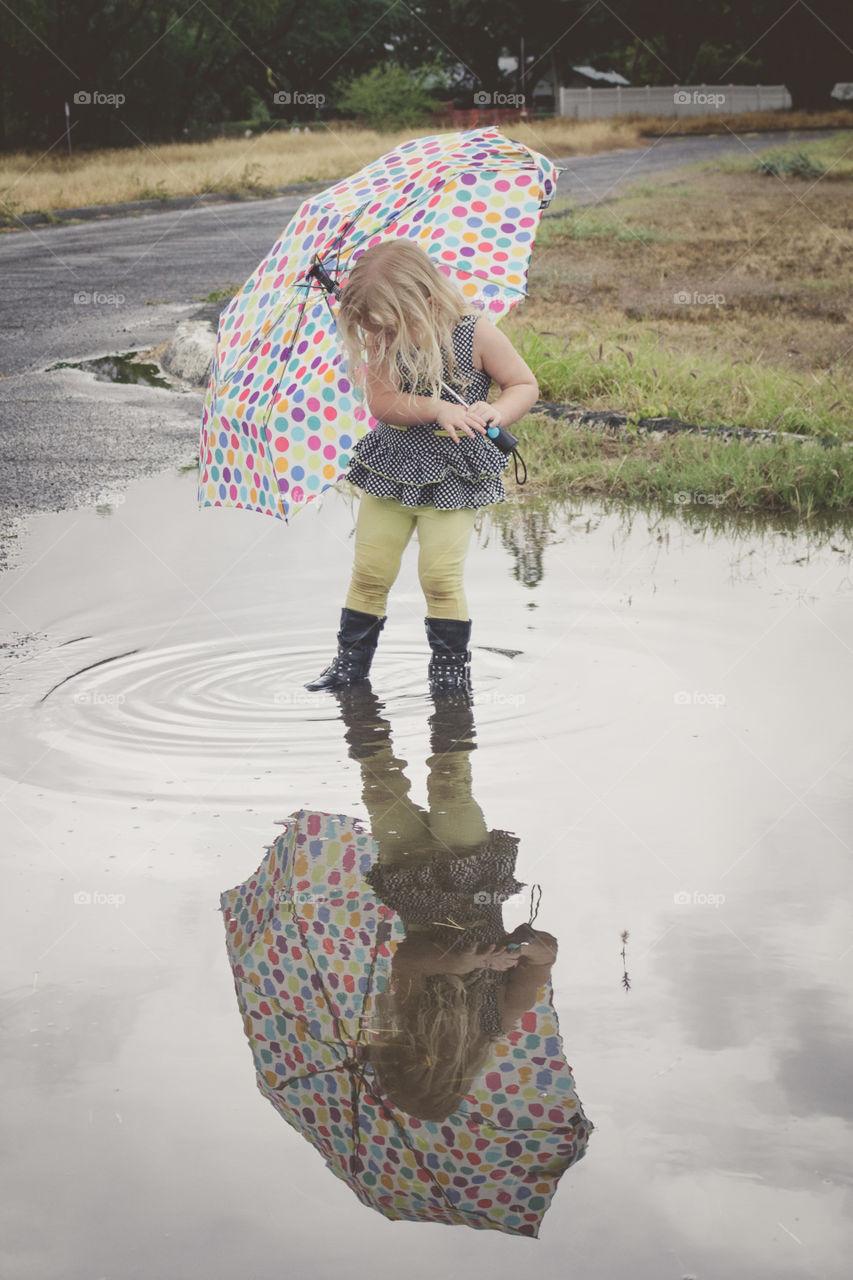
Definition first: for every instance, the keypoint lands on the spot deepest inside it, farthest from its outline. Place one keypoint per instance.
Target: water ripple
(198, 718)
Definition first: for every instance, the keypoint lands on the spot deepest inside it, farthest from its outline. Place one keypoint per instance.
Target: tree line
(157, 70)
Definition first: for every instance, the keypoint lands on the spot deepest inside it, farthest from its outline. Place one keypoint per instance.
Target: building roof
(612, 77)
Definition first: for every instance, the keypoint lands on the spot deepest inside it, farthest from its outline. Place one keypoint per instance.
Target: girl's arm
(404, 410)
(533, 971)
(520, 992)
(419, 954)
(496, 354)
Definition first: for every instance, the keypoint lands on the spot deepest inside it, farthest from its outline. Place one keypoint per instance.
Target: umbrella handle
(322, 275)
(499, 436)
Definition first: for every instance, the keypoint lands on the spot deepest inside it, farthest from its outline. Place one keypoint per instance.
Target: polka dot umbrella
(310, 948)
(281, 414)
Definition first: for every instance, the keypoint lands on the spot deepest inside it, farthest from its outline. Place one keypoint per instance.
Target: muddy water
(660, 719)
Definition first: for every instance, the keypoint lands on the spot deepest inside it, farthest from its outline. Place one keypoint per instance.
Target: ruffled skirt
(420, 468)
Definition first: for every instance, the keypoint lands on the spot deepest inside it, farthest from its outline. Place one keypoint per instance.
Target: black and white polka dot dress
(458, 901)
(420, 468)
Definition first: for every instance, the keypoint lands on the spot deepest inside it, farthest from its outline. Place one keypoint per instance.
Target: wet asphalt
(116, 283)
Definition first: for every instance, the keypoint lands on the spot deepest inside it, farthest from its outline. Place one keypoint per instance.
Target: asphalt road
(68, 440)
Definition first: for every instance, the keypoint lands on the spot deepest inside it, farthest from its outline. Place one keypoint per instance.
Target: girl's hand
(466, 420)
(498, 958)
(490, 413)
(542, 951)
(471, 958)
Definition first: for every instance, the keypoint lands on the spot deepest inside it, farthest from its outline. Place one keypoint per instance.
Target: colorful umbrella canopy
(310, 948)
(281, 414)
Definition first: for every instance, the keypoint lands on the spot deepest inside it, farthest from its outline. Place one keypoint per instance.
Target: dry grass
(260, 164)
(256, 165)
(745, 123)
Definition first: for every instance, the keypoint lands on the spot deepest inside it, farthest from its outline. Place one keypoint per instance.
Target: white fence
(676, 100)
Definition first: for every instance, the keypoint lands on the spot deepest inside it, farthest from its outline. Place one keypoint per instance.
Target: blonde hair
(402, 309)
(434, 1047)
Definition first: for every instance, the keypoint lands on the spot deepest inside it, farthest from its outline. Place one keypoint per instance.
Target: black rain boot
(366, 730)
(357, 639)
(450, 664)
(451, 727)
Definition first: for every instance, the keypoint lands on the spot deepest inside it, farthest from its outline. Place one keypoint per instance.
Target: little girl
(428, 463)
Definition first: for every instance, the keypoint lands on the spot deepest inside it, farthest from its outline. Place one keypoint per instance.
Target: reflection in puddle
(124, 368)
(717, 1083)
(393, 1020)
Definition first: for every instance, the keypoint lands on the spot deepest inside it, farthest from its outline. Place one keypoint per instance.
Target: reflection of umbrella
(280, 415)
(310, 947)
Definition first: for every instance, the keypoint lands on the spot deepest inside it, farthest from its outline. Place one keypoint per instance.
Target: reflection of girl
(428, 463)
(456, 987)
(443, 1015)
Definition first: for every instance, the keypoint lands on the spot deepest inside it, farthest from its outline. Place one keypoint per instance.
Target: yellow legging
(404, 831)
(382, 532)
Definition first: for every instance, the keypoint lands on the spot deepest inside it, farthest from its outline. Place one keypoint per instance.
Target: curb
(615, 420)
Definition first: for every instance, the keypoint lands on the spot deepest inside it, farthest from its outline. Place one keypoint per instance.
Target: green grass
(793, 164)
(832, 157)
(595, 223)
(642, 378)
(223, 294)
(688, 470)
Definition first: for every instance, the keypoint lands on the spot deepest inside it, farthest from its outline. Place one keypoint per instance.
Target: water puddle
(125, 368)
(656, 774)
